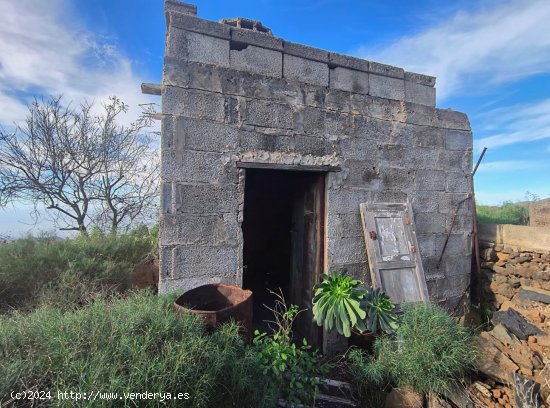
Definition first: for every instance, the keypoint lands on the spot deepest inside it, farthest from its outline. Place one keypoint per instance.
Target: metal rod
(478, 161)
(451, 229)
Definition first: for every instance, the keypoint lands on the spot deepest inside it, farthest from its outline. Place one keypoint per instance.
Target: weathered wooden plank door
(307, 254)
(394, 258)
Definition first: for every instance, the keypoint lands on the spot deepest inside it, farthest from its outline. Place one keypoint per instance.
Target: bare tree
(89, 169)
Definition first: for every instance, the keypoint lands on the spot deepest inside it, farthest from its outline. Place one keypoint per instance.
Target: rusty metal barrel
(218, 303)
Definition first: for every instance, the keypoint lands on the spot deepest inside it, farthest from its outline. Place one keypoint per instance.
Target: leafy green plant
(380, 312)
(430, 352)
(337, 303)
(35, 270)
(130, 344)
(295, 370)
(507, 213)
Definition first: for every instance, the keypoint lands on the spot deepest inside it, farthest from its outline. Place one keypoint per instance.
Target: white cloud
(512, 165)
(516, 124)
(42, 52)
(501, 42)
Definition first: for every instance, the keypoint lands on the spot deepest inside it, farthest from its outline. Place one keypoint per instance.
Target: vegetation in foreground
(125, 345)
(429, 352)
(507, 213)
(35, 271)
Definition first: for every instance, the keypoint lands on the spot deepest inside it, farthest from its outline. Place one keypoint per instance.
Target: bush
(293, 369)
(431, 350)
(136, 344)
(507, 213)
(35, 271)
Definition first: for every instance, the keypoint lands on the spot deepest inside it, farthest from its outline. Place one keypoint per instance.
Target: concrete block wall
(233, 95)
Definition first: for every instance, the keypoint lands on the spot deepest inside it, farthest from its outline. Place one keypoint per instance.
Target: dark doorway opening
(283, 229)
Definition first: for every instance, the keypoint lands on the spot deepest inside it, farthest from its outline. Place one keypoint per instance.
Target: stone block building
(269, 147)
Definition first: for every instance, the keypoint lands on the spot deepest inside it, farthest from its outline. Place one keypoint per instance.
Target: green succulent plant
(380, 311)
(337, 303)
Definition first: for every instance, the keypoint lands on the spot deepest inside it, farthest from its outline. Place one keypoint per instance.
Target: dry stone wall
(231, 95)
(516, 294)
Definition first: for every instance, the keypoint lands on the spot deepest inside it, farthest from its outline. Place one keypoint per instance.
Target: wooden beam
(291, 167)
(150, 88)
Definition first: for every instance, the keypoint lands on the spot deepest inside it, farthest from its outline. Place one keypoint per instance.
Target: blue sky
(491, 59)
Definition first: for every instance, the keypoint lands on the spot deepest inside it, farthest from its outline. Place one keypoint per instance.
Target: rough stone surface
(258, 60)
(234, 98)
(349, 80)
(304, 70)
(516, 324)
(386, 87)
(418, 93)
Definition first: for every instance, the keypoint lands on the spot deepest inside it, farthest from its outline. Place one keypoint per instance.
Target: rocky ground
(516, 349)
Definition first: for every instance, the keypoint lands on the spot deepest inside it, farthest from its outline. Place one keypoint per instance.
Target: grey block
(370, 128)
(193, 103)
(194, 229)
(346, 200)
(242, 35)
(360, 149)
(389, 196)
(337, 124)
(457, 245)
(425, 201)
(396, 178)
(206, 261)
(166, 198)
(386, 87)
(433, 180)
(179, 286)
(304, 51)
(432, 271)
(349, 80)
(344, 225)
(347, 61)
(450, 119)
(458, 160)
(205, 198)
(195, 134)
(194, 75)
(421, 94)
(304, 70)
(392, 155)
(358, 173)
(179, 7)
(250, 141)
(458, 140)
(420, 114)
(258, 60)
(462, 223)
(315, 146)
(427, 223)
(346, 250)
(335, 100)
(207, 50)
(199, 25)
(386, 109)
(268, 114)
(419, 136)
(167, 131)
(458, 182)
(420, 78)
(426, 244)
(309, 120)
(457, 264)
(195, 166)
(386, 70)
(451, 202)
(166, 261)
